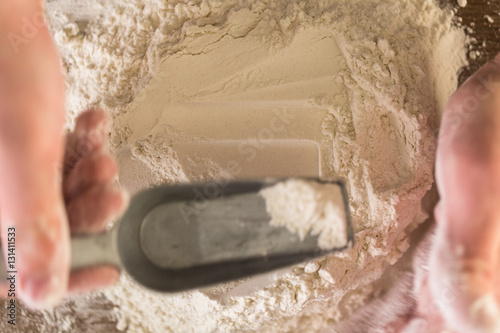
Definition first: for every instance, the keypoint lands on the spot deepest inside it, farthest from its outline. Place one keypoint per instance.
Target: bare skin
(43, 200)
(467, 242)
(45, 207)
(455, 286)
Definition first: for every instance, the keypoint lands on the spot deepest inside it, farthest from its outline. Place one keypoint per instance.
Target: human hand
(34, 197)
(455, 284)
(465, 258)
(90, 195)
(90, 200)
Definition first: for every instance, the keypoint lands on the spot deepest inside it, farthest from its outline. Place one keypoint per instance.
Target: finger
(92, 278)
(89, 135)
(41, 241)
(31, 146)
(95, 169)
(106, 202)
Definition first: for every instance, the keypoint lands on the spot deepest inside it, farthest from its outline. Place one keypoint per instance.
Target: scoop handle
(94, 250)
(86, 251)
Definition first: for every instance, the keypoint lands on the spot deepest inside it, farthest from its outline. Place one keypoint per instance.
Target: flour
(306, 207)
(199, 90)
(489, 19)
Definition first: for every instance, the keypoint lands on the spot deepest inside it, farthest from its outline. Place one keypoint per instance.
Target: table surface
(487, 34)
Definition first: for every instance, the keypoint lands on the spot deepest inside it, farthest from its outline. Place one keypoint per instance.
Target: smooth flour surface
(200, 90)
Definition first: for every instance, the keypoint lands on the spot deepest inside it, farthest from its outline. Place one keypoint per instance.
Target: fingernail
(42, 292)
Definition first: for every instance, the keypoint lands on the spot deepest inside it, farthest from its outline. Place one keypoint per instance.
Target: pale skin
(47, 204)
(455, 284)
(464, 258)
(52, 185)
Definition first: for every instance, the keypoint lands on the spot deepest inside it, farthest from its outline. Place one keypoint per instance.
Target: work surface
(94, 318)
(487, 34)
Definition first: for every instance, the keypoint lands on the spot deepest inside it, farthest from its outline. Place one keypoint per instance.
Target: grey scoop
(179, 237)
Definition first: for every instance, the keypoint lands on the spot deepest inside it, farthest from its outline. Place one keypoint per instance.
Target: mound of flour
(307, 207)
(392, 66)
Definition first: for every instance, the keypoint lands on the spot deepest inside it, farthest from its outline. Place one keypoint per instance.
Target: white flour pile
(345, 89)
(307, 207)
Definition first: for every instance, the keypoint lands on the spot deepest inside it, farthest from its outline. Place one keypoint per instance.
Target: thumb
(37, 221)
(32, 206)
(31, 145)
(32, 212)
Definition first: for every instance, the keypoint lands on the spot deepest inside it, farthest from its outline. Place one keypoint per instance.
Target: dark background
(487, 34)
